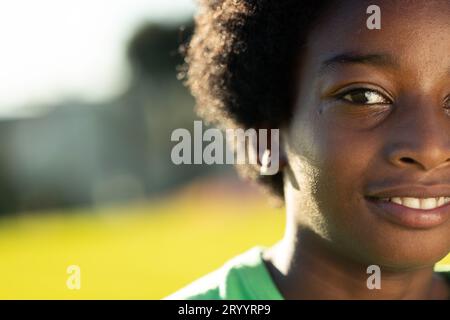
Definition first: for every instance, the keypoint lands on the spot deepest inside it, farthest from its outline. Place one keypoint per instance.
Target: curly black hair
(240, 64)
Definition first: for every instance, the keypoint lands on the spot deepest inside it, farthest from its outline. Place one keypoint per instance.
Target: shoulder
(206, 288)
(241, 278)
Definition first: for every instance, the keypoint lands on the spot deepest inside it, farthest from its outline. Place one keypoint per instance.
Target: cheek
(339, 155)
(345, 158)
(342, 159)
(331, 162)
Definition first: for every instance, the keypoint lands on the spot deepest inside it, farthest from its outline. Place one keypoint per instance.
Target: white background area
(56, 49)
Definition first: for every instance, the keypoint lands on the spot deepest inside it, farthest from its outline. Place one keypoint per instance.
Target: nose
(421, 140)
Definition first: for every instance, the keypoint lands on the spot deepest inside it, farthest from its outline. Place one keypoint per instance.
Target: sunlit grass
(143, 251)
(140, 251)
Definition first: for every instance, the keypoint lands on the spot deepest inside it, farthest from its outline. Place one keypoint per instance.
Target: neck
(304, 267)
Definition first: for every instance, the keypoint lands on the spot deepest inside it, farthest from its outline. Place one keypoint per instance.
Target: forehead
(351, 15)
(411, 31)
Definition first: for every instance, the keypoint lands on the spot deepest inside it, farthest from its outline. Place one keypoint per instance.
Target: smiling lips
(413, 206)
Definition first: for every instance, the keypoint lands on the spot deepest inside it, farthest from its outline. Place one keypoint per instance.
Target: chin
(400, 249)
(390, 243)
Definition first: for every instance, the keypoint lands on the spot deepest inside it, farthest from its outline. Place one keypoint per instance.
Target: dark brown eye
(364, 96)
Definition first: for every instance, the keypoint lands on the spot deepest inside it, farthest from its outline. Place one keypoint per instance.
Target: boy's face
(372, 121)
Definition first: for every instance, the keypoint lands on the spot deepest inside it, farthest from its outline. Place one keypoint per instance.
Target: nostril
(407, 160)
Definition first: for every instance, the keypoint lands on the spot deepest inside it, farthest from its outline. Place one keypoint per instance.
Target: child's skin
(338, 153)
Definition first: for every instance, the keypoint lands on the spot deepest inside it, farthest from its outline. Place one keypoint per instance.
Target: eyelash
(341, 96)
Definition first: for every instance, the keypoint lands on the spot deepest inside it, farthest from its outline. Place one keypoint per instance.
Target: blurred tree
(154, 50)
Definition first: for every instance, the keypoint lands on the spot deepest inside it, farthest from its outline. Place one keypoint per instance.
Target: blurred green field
(139, 251)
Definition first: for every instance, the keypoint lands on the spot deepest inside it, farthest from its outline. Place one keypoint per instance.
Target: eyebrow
(377, 59)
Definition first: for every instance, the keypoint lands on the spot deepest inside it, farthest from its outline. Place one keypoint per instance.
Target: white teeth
(412, 203)
(420, 203)
(428, 203)
(396, 200)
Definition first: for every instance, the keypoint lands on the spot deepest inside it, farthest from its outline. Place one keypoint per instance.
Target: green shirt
(245, 277)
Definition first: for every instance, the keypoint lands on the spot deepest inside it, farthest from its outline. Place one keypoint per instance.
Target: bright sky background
(55, 49)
